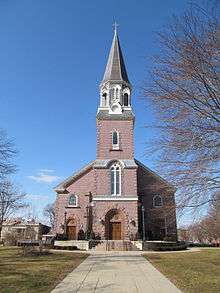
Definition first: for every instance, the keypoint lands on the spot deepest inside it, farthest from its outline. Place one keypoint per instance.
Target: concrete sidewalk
(123, 272)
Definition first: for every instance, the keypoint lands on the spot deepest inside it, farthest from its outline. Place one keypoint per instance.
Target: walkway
(124, 272)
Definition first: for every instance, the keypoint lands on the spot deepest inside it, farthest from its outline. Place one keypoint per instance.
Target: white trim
(126, 108)
(115, 198)
(128, 164)
(113, 169)
(128, 92)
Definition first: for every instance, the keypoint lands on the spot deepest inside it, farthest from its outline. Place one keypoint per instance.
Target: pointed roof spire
(115, 69)
(115, 25)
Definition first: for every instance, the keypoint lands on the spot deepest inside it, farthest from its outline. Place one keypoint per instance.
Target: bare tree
(184, 90)
(49, 213)
(212, 221)
(7, 151)
(11, 200)
(208, 228)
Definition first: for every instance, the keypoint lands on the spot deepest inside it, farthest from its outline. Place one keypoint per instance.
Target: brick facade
(115, 196)
(157, 219)
(126, 143)
(80, 187)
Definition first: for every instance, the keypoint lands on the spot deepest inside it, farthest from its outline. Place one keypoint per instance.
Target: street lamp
(165, 223)
(65, 224)
(143, 222)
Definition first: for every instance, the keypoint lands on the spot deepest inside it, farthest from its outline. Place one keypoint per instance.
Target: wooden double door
(71, 232)
(115, 230)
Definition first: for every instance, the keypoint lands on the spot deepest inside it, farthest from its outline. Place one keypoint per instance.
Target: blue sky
(52, 59)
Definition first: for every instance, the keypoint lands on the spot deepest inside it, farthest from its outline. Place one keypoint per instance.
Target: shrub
(168, 238)
(165, 246)
(11, 238)
(32, 250)
(201, 245)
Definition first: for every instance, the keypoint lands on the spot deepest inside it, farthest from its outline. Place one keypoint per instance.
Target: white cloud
(47, 170)
(42, 176)
(37, 197)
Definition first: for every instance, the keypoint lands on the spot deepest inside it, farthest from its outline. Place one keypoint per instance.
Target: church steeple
(115, 69)
(115, 88)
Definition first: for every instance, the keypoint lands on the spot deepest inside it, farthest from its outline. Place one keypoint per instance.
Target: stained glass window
(72, 200)
(115, 138)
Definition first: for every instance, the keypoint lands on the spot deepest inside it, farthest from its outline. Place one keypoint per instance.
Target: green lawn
(34, 274)
(194, 272)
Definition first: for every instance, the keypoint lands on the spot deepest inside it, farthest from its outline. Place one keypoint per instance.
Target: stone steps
(117, 245)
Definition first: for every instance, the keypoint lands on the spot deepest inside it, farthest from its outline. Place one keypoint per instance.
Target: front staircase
(111, 245)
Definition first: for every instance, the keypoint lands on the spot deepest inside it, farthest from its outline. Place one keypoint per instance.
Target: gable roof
(95, 163)
(154, 174)
(62, 186)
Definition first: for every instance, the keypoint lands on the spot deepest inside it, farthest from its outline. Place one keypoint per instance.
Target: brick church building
(115, 196)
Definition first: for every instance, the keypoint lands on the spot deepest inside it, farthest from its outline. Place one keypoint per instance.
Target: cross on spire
(115, 25)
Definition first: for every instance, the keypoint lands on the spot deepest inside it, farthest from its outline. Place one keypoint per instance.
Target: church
(115, 197)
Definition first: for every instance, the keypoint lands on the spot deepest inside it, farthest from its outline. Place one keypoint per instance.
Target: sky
(52, 59)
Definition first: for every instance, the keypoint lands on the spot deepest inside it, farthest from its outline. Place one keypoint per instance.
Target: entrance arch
(114, 225)
(71, 229)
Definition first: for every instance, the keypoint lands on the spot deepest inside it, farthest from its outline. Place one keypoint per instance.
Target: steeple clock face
(115, 108)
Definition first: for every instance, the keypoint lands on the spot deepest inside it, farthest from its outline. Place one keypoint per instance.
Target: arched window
(157, 201)
(116, 179)
(115, 140)
(116, 93)
(72, 200)
(104, 99)
(125, 100)
(111, 93)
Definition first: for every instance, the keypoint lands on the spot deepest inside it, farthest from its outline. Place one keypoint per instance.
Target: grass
(193, 272)
(34, 273)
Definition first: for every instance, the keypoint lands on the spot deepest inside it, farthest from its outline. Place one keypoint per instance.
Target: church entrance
(114, 225)
(115, 231)
(71, 230)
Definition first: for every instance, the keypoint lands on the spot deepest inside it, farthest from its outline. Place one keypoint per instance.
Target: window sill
(113, 150)
(72, 207)
(115, 198)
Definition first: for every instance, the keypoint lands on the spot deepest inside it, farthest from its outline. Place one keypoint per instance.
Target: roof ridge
(118, 45)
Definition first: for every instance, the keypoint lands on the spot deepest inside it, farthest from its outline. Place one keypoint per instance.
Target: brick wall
(104, 139)
(128, 211)
(148, 186)
(83, 185)
(128, 181)
(86, 183)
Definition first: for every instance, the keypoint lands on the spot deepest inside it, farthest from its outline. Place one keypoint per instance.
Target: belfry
(115, 197)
